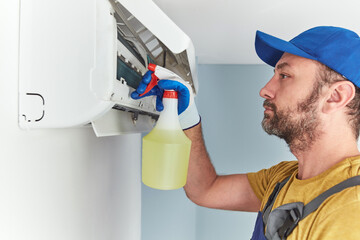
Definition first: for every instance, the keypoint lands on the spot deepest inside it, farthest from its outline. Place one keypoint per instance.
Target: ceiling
(223, 31)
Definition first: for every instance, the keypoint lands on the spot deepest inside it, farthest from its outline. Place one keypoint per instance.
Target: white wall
(61, 183)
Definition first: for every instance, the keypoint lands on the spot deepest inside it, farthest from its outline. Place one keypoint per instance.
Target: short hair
(329, 76)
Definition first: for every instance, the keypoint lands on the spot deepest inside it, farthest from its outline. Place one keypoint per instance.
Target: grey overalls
(281, 221)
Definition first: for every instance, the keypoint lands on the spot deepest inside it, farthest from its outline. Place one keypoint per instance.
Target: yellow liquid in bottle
(165, 159)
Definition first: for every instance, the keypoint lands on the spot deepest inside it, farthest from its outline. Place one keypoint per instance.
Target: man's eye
(283, 76)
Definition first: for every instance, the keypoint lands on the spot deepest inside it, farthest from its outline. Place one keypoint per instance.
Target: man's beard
(299, 127)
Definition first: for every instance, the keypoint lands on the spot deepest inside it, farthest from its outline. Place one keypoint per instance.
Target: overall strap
(316, 202)
(269, 204)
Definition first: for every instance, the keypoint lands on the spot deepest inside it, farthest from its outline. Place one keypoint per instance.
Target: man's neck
(323, 154)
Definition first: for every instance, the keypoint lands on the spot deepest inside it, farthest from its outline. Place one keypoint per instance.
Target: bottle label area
(165, 159)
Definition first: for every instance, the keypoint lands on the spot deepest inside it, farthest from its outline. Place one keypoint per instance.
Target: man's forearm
(201, 173)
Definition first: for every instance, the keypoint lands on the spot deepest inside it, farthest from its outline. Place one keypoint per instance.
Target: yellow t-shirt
(338, 217)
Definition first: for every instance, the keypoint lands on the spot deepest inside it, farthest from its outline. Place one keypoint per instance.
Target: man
(313, 103)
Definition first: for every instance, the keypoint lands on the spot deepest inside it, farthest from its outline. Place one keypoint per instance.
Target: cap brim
(270, 49)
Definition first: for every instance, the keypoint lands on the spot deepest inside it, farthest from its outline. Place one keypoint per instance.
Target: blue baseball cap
(338, 48)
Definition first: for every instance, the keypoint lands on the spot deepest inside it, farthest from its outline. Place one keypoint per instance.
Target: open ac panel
(81, 59)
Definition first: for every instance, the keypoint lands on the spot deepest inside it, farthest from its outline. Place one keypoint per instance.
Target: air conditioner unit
(81, 59)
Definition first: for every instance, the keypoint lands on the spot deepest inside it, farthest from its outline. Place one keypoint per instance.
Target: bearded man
(313, 103)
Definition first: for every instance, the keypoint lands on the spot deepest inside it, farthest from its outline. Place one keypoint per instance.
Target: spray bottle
(166, 149)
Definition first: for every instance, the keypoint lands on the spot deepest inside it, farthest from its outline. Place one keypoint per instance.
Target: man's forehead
(289, 60)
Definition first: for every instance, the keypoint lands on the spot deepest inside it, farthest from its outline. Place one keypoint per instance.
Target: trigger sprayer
(153, 81)
(166, 149)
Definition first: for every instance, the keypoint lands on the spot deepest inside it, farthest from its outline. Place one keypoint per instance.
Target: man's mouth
(267, 110)
(269, 106)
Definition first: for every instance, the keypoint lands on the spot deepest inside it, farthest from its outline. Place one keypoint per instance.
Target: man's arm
(205, 188)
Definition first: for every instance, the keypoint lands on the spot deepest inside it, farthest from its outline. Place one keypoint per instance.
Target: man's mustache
(269, 104)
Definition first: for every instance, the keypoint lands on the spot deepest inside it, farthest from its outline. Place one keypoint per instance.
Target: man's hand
(188, 114)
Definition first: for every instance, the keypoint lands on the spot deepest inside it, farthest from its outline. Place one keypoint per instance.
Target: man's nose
(267, 91)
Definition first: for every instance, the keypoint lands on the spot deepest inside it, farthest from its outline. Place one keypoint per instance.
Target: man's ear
(340, 94)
